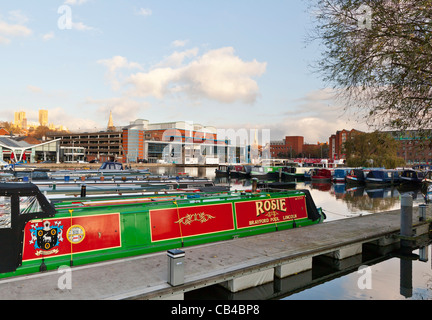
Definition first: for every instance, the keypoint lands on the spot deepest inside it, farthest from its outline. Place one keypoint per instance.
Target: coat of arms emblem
(46, 238)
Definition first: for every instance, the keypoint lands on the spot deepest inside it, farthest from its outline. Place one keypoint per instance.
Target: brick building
(289, 147)
(336, 142)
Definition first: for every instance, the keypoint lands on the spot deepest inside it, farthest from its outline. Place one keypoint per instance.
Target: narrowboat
(294, 173)
(266, 172)
(382, 177)
(322, 175)
(339, 174)
(235, 171)
(223, 171)
(245, 172)
(38, 234)
(411, 176)
(309, 173)
(356, 176)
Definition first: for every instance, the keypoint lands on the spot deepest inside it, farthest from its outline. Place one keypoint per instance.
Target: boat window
(29, 205)
(5, 213)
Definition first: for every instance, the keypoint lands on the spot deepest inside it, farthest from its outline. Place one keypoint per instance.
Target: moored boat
(377, 177)
(37, 234)
(266, 172)
(356, 176)
(322, 175)
(411, 176)
(339, 174)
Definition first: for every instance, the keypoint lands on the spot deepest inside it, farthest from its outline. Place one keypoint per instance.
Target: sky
(230, 64)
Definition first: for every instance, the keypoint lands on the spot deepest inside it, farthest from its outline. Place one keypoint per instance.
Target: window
(5, 213)
(29, 205)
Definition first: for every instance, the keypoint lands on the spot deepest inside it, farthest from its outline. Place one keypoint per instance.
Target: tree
(378, 58)
(378, 149)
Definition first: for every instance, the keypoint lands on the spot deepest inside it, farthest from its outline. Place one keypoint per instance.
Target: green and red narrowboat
(37, 234)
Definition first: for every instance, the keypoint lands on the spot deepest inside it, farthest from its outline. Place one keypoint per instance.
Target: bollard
(422, 212)
(83, 191)
(406, 218)
(176, 267)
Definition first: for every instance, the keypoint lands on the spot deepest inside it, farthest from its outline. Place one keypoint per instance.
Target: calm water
(393, 275)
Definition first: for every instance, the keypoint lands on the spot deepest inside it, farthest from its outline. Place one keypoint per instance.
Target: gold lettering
(282, 205)
(259, 208)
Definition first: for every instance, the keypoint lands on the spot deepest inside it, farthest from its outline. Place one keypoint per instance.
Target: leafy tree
(377, 57)
(377, 149)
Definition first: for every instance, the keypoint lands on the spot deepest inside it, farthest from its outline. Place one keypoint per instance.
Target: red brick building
(336, 142)
(290, 147)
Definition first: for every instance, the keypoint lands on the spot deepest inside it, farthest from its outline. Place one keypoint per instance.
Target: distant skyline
(228, 64)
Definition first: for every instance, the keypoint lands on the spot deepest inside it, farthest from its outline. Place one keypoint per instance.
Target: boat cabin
(19, 203)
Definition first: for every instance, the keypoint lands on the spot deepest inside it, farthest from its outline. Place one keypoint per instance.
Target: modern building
(103, 146)
(176, 142)
(14, 149)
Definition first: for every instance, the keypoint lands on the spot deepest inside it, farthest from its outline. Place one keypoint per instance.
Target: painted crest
(46, 238)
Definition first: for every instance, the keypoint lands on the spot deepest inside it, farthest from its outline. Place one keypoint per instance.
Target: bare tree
(378, 57)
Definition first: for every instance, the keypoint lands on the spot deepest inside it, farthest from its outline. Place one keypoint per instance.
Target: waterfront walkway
(145, 277)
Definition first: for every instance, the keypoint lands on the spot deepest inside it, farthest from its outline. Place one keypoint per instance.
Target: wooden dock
(236, 264)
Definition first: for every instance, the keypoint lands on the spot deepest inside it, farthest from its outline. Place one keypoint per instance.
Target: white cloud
(114, 65)
(81, 26)
(75, 2)
(216, 75)
(34, 89)
(144, 12)
(14, 28)
(179, 43)
(48, 36)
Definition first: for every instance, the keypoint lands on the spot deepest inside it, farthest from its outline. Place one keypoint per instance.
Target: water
(390, 273)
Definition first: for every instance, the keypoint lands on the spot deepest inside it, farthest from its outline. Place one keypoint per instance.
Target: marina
(226, 267)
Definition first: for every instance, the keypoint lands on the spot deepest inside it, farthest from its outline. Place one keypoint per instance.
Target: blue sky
(229, 64)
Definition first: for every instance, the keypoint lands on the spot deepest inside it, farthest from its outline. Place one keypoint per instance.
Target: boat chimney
(254, 185)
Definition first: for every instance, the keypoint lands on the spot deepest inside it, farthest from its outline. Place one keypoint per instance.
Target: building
(413, 148)
(288, 148)
(20, 120)
(103, 146)
(43, 117)
(175, 142)
(16, 149)
(336, 142)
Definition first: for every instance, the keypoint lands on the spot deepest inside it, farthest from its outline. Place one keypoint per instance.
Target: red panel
(191, 221)
(100, 232)
(263, 212)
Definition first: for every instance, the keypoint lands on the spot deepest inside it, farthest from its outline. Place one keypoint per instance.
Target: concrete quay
(236, 264)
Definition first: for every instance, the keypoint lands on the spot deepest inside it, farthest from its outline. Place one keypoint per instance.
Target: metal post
(176, 267)
(406, 218)
(422, 212)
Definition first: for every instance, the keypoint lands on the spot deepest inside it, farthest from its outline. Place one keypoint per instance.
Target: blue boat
(382, 177)
(356, 176)
(411, 176)
(339, 174)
